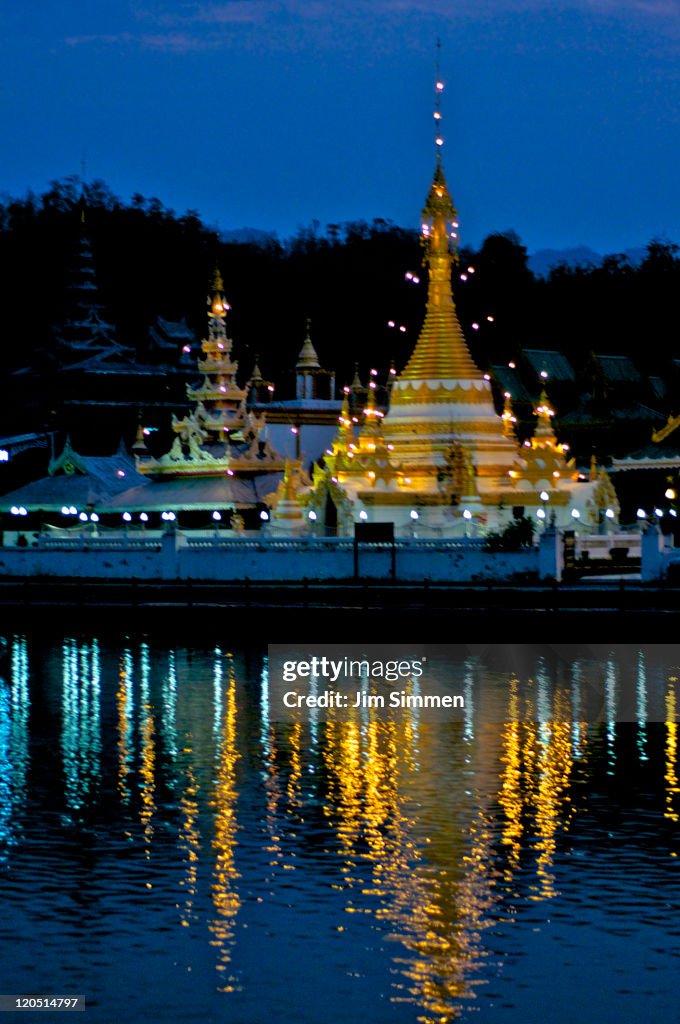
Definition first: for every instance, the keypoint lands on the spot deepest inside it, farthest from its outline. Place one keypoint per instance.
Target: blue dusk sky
(561, 116)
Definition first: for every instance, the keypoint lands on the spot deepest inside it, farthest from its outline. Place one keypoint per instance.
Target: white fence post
(652, 552)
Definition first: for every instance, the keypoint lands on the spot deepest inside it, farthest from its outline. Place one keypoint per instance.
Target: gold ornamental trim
(419, 392)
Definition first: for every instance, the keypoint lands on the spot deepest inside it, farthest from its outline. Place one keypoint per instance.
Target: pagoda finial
(441, 351)
(438, 89)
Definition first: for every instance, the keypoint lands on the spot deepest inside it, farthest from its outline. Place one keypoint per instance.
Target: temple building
(441, 457)
(88, 384)
(303, 426)
(221, 463)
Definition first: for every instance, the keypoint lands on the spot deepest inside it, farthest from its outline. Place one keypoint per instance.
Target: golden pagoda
(220, 435)
(542, 465)
(441, 453)
(442, 399)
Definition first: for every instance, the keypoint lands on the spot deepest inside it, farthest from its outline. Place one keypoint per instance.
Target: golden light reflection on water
(225, 896)
(429, 830)
(671, 750)
(189, 844)
(124, 708)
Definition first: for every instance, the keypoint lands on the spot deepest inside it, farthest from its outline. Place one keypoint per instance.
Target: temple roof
(198, 493)
(510, 380)
(80, 480)
(618, 369)
(555, 364)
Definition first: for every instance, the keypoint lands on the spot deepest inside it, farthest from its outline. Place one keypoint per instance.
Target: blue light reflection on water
(174, 855)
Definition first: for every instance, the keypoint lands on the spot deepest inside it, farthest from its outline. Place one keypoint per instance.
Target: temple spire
(441, 351)
(308, 359)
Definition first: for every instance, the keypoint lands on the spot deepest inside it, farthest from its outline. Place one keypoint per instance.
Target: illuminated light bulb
(392, 371)
(172, 516)
(73, 510)
(506, 394)
(312, 515)
(374, 373)
(544, 496)
(390, 447)
(439, 140)
(334, 479)
(402, 329)
(371, 475)
(220, 345)
(65, 511)
(363, 515)
(673, 513)
(491, 319)
(440, 87)
(670, 493)
(230, 472)
(83, 517)
(390, 323)
(658, 512)
(270, 387)
(475, 327)
(223, 389)
(164, 515)
(146, 431)
(641, 514)
(294, 430)
(345, 390)
(556, 474)
(565, 447)
(14, 510)
(127, 517)
(512, 366)
(540, 513)
(486, 375)
(527, 444)
(120, 472)
(94, 518)
(186, 348)
(544, 374)
(144, 517)
(575, 514)
(455, 224)
(408, 275)
(217, 516)
(463, 277)
(471, 270)
(329, 451)
(437, 116)
(609, 513)
(372, 384)
(467, 514)
(416, 280)
(413, 514)
(264, 516)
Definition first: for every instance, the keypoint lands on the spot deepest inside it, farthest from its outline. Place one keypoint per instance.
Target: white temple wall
(291, 560)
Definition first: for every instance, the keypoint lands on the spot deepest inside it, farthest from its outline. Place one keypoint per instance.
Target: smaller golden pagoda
(542, 465)
(220, 435)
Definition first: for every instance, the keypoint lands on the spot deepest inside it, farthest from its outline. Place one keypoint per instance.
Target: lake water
(171, 854)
